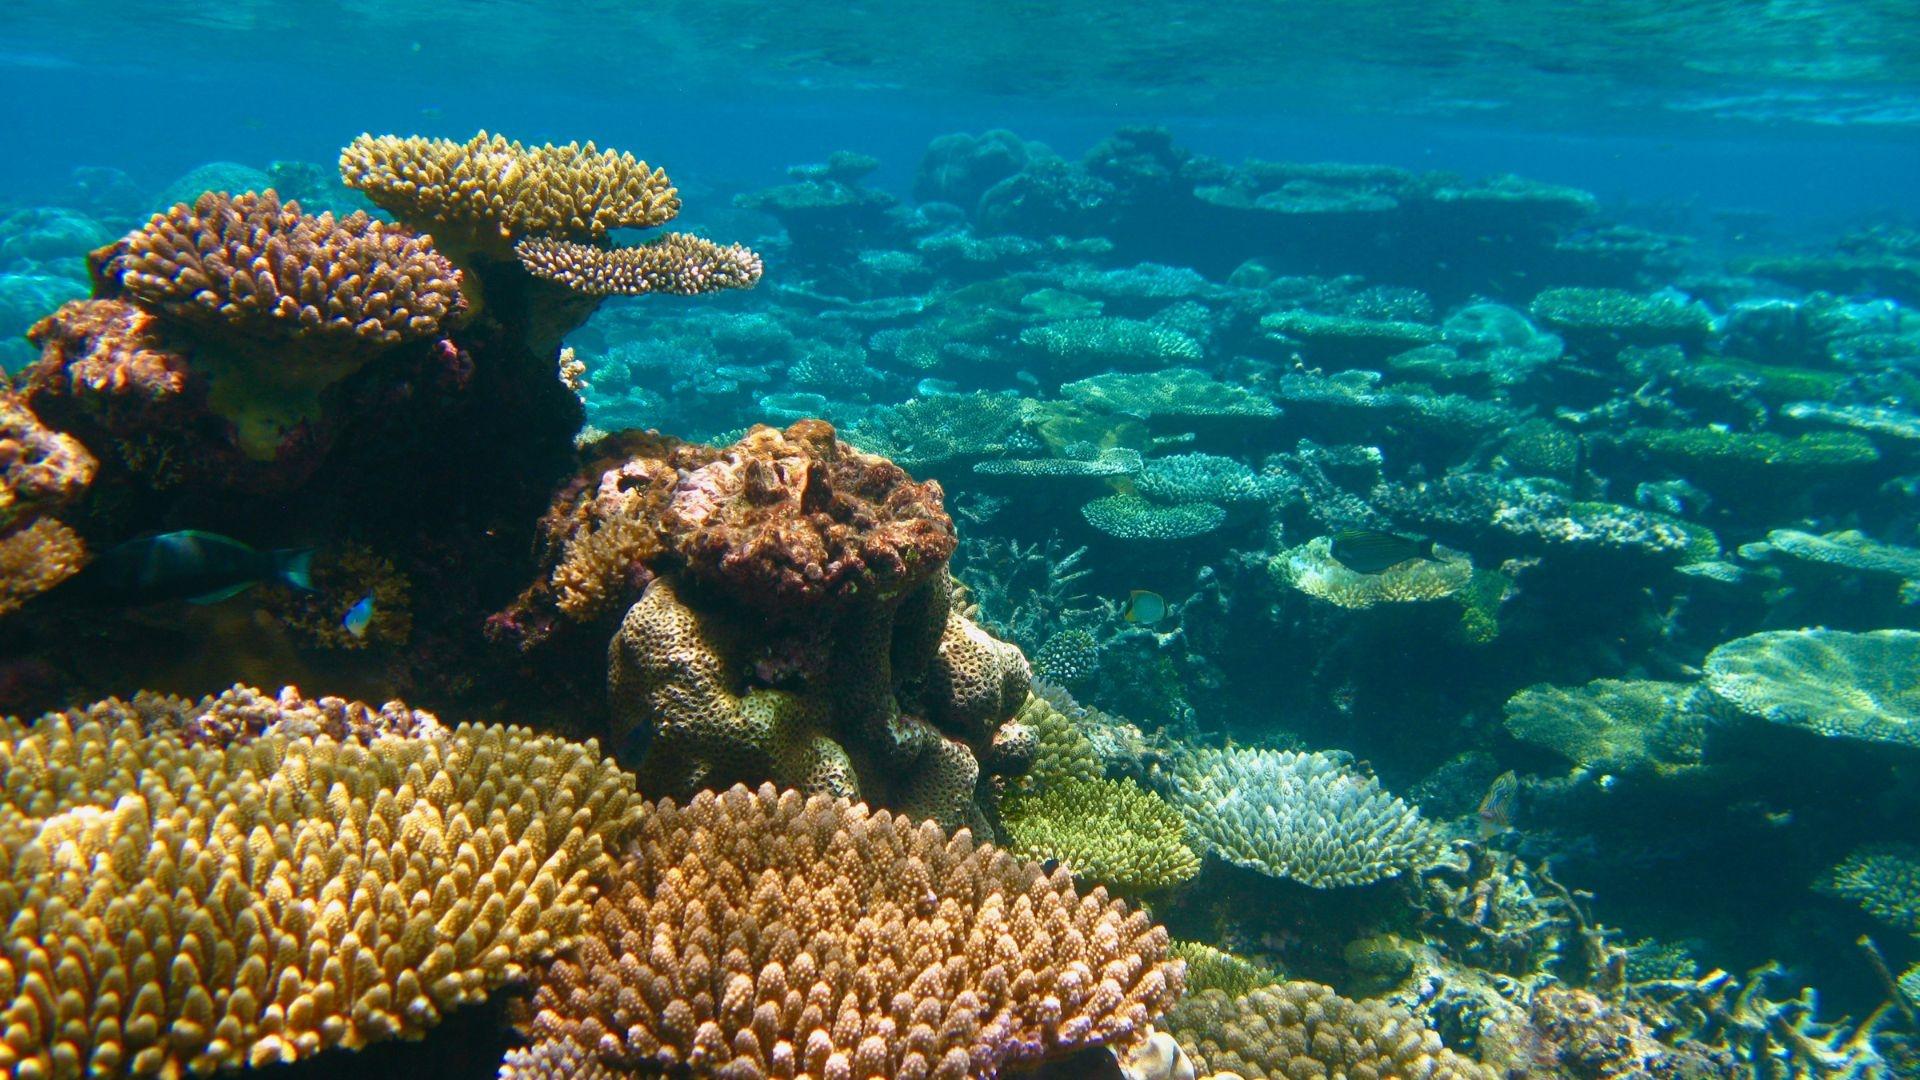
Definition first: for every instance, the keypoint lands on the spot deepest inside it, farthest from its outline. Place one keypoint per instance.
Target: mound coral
(1108, 831)
(1308, 817)
(1302, 1030)
(248, 891)
(676, 263)
(1313, 570)
(484, 194)
(757, 933)
(1615, 725)
(1830, 682)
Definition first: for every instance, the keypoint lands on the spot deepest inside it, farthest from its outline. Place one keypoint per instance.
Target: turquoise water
(1458, 465)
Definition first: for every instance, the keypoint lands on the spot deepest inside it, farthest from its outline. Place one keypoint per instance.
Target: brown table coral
(757, 934)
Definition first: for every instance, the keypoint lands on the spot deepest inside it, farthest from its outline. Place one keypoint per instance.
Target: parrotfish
(1369, 551)
(358, 616)
(1496, 807)
(200, 567)
(1145, 607)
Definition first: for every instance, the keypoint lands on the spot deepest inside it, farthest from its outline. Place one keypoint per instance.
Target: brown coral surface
(757, 933)
(1301, 1030)
(40, 470)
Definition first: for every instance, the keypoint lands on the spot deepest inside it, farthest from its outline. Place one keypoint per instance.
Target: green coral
(1062, 751)
(1344, 340)
(1172, 394)
(1480, 602)
(1209, 968)
(1130, 517)
(1107, 342)
(1859, 686)
(1882, 878)
(1541, 448)
(1313, 570)
(1614, 725)
(1847, 550)
(1109, 831)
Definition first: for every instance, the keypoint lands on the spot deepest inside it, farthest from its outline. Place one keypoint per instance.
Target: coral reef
(1882, 878)
(1297, 1030)
(758, 933)
(1615, 726)
(675, 263)
(224, 884)
(1313, 570)
(1107, 831)
(1830, 682)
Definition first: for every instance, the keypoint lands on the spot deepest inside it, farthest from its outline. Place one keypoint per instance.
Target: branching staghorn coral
(1111, 832)
(255, 894)
(1301, 1030)
(1308, 817)
(761, 933)
(486, 193)
(676, 263)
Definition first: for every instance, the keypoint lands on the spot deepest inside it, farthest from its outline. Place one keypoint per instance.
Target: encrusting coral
(1302, 1030)
(676, 263)
(488, 192)
(1107, 831)
(191, 887)
(761, 933)
(1309, 817)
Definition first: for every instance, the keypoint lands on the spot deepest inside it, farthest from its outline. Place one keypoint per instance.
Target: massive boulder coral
(1857, 686)
(248, 880)
(761, 933)
(1302, 1030)
(788, 616)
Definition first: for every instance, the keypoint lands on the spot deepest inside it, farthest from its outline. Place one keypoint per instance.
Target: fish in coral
(1145, 607)
(1370, 551)
(1495, 815)
(192, 565)
(358, 617)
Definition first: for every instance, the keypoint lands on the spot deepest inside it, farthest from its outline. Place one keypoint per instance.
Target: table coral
(1615, 725)
(181, 905)
(1313, 570)
(1301, 1030)
(1882, 878)
(1130, 517)
(676, 263)
(1108, 831)
(762, 933)
(1173, 394)
(1830, 682)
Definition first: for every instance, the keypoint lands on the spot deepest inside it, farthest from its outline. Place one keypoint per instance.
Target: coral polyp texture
(250, 895)
(1831, 682)
(1309, 817)
(35, 558)
(483, 194)
(1615, 725)
(762, 933)
(676, 263)
(41, 471)
(1304, 1031)
(1107, 831)
(252, 267)
(1313, 570)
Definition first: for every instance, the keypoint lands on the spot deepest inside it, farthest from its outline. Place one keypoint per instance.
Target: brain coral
(254, 894)
(676, 263)
(757, 933)
(251, 267)
(1308, 817)
(1108, 831)
(485, 193)
(1863, 686)
(1302, 1030)
(1313, 570)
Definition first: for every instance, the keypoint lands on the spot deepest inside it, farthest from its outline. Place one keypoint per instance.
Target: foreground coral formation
(760, 934)
(245, 880)
(1301, 1030)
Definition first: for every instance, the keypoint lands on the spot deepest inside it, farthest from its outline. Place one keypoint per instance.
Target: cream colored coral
(487, 192)
(676, 263)
(1301, 1030)
(761, 933)
(175, 907)
(35, 559)
(1313, 570)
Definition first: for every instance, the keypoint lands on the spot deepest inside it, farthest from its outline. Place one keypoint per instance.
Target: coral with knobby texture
(1062, 752)
(36, 558)
(796, 518)
(1309, 817)
(1209, 968)
(1615, 725)
(177, 906)
(1130, 517)
(759, 933)
(1579, 1034)
(241, 714)
(1593, 318)
(486, 193)
(676, 263)
(1305, 1031)
(252, 268)
(1830, 682)
(40, 470)
(1882, 878)
(1068, 658)
(1313, 570)
(113, 363)
(1108, 831)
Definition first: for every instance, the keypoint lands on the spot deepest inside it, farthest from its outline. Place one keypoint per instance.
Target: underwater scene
(1144, 540)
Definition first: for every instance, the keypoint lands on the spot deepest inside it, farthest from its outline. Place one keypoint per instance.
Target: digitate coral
(180, 904)
(757, 934)
(1062, 751)
(1105, 344)
(1313, 570)
(676, 263)
(486, 193)
(1305, 1031)
(1309, 817)
(1830, 682)
(1209, 968)
(1615, 725)
(1111, 832)
(1882, 878)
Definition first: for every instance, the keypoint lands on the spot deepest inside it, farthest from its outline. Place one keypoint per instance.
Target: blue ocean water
(1459, 462)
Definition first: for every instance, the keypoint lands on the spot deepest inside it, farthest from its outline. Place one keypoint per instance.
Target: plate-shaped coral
(1862, 686)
